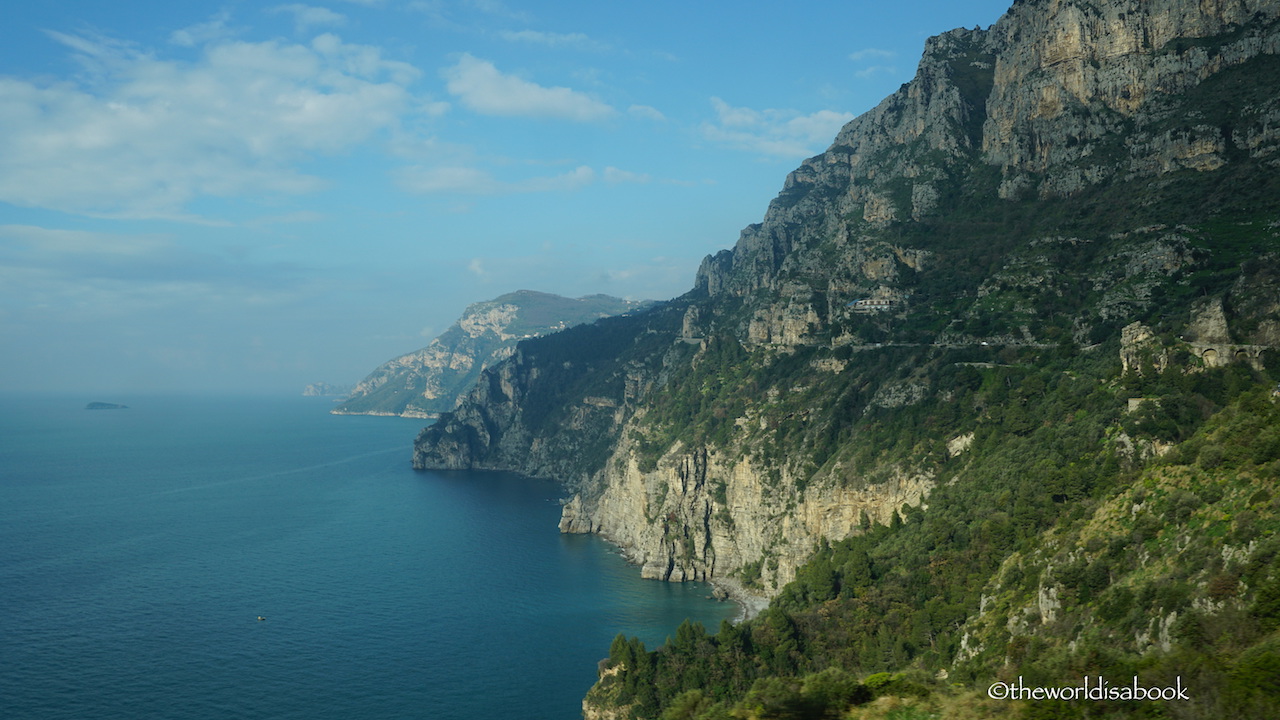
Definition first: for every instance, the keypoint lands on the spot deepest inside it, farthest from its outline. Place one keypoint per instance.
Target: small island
(105, 406)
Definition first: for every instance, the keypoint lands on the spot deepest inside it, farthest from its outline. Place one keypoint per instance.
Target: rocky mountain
(989, 392)
(426, 382)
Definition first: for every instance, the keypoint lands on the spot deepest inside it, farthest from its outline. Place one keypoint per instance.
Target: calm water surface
(139, 547)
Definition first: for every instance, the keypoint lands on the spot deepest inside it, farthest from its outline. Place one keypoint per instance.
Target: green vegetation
(1045, 501)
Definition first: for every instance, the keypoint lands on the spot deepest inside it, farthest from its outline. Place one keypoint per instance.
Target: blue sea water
(139, 547)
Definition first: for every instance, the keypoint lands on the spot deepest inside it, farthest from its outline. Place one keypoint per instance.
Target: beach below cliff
(749, 604)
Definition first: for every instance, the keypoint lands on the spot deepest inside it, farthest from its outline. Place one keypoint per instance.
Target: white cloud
(779, 133)
(496, 8)
(460, 180)
(462, 14)
(554, 40)
(579, 177)
(142, 137)
(473, 181)
(614, 176)
(307, 17)
(871, 53)
(876, 70)
(646, 112)
(483, 88)
(213, 29)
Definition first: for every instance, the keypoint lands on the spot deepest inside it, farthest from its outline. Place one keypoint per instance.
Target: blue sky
(254, 196)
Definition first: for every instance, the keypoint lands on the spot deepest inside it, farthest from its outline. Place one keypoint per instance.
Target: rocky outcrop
(910, 142)
(1057, 96)
(700, 515)
(1139, 345)
(1071, 78)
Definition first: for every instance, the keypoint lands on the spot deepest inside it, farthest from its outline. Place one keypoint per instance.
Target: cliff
(427, 382)
(989, 391)
(1075, 168)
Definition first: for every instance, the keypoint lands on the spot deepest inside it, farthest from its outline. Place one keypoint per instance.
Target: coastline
(380, 413)
(723, 589)
(749, 604)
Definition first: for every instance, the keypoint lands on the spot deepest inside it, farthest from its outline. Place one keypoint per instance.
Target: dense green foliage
(1046, 513)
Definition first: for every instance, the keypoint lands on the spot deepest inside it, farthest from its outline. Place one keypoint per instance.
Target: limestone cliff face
(1057, 96)
(884, 166)
(1072, 77)
(703, 516)
(971, 210)
(429, 381)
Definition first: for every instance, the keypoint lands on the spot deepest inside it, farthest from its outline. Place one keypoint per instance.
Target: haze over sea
(139, 547)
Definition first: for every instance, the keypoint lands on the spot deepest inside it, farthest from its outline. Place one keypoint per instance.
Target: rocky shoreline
(749, 604)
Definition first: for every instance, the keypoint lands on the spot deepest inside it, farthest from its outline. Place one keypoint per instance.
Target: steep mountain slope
(1036, 289)
(919, 237)
(428, 382)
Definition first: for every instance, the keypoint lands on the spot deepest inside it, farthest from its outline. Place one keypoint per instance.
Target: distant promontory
(428, 382)
(105, 406)
(323, 389)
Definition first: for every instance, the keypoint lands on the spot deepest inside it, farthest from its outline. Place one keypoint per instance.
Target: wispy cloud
(874, 70)
(142, 137)
(871, 54)
(474, 181)
(773, 132)
(468, 180)
(496, 8)
(615, 176)
(878, 57)
(471, 14)
(481, 87)
(85, 273)
(309, 17)
(647, 112)
(577, 41)
(215, 28)
(636, 278)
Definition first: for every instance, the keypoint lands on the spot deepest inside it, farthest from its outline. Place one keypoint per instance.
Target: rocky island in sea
(105, 406)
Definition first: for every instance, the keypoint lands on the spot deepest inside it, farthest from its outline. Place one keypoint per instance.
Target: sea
(192, 558)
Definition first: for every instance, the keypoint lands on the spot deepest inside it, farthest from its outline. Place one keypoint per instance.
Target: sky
(253, 196)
